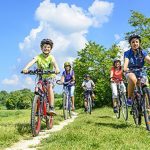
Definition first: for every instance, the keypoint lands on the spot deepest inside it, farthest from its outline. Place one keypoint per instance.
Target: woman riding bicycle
(115, 77)
(88, 84)
(134, 58)
(68, 75)
(45, 61)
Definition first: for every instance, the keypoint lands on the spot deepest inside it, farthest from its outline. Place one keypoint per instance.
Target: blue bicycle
(67, 104)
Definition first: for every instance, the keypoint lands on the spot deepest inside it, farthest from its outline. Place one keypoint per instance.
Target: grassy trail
(101, 130)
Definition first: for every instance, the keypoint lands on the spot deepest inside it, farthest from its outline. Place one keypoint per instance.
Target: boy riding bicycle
(88, 84)
(68, 75)
(45, 61)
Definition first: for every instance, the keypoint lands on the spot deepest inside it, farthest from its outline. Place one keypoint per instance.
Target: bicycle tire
(118, 108)
(36, 116)
(89, 104)
(137, 117)
(146, 91)
(124, 106)
(65, 105)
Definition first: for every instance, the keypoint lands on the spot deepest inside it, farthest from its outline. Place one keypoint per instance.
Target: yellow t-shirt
(45, 63)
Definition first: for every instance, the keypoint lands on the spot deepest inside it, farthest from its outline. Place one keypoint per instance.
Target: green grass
(15, 125)
(101, 130)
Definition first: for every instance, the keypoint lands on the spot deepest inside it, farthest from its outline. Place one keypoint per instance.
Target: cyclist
(88, 84)
(116, 73)
(135, 57)
(46, 61)
(68, 75)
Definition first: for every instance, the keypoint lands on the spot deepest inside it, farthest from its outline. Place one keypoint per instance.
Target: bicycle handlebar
(116, 78)
(137, 69)
(39, 72)
(64, 83)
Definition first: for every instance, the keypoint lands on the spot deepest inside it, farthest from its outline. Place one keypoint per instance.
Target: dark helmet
(47, 41)
(86, 75)
(134, 36)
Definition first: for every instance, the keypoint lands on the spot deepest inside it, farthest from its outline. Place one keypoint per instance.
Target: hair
(46, 41)
(116, 62)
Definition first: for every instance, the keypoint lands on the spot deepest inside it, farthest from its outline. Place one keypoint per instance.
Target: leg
(72, 96)
(132, 80)
(114, 94)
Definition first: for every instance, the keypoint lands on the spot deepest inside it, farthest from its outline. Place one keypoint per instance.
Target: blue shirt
(135, 60)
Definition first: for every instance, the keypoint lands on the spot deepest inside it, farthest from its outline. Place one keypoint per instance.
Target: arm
(55, 65)
(33, 61)
(126, 62)
(147, 59)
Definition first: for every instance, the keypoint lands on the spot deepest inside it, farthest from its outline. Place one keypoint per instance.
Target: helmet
(134, 36)
(47, 41)
(86, 75)
(116, 60)
(67, 64)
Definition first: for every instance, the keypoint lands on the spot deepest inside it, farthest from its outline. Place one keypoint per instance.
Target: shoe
(129, 102)
(51, 111)
(115, 110)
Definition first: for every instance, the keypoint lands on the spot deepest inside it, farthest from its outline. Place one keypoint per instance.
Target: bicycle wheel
(49, 120)
(124, 106)
(35, 116)
(65, 106)
(137, 117)
(89, 104)
(118, 108)
(147, 107)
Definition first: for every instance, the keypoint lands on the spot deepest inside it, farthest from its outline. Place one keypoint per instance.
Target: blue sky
(70, 23)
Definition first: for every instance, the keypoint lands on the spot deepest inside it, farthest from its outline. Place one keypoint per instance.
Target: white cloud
(124, 46)
(117, 37)
(101, 10)
(67, 25)
(14, 80)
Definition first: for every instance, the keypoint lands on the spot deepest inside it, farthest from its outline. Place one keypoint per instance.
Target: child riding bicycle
(115, 77)
(68, 75)
(88, 84)
(45, 61)
(134, 58)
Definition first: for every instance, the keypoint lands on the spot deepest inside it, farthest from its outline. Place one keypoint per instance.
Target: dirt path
(32, 143)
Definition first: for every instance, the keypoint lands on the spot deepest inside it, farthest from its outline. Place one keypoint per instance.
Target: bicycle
(88, 93)
(141, 100)
(121, 100)
(40, 104)
(66, 98)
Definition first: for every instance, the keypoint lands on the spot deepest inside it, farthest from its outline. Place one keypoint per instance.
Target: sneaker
(115, 110)
(129, 102)
(51, 111)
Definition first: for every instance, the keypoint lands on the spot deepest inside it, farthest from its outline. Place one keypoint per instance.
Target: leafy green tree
(95, 60)
(141, 26)
(3, 96)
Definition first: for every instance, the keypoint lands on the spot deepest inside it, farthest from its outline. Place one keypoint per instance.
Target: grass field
(102, 131)
(15, 125)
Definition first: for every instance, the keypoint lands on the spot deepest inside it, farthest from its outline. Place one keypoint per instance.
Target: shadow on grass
(104, 117)
(113, 125)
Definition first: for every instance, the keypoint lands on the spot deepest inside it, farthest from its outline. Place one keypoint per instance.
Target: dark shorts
(86, 93)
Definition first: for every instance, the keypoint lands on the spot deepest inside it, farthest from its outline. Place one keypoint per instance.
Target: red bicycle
(40, 104)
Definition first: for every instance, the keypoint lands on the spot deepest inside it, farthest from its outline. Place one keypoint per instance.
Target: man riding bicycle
(134, 58)
(45, 61)
(88, 84)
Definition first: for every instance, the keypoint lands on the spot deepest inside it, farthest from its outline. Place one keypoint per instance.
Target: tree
(95, 60)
